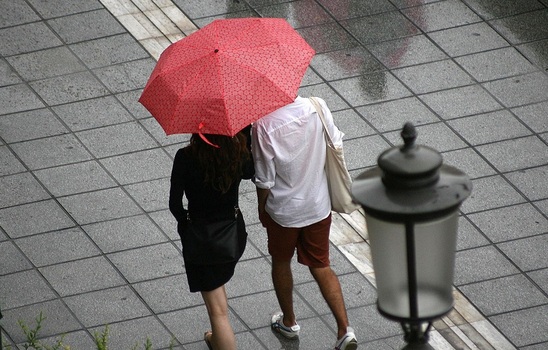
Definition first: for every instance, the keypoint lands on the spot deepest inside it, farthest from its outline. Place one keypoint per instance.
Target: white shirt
(289, 148)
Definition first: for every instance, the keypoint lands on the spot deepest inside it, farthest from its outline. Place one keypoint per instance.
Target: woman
(208, 172)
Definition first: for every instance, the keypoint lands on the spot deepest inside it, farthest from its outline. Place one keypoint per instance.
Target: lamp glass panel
(435, 244)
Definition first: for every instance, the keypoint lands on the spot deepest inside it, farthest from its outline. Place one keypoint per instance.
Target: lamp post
(411, 203)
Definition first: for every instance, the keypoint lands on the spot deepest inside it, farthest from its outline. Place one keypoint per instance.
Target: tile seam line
(105, 3)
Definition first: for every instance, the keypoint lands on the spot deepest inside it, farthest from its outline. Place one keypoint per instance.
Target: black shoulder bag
(213, 242)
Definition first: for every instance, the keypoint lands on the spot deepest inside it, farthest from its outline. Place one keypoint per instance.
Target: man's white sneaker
(278, 325)
(348, 341)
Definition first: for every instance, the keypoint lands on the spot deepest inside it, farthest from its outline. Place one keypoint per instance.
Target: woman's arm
(177, 189)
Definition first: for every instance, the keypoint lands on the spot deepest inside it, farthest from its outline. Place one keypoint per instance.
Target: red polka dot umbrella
(226, 75)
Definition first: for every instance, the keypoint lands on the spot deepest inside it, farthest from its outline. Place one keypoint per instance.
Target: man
(289, 148)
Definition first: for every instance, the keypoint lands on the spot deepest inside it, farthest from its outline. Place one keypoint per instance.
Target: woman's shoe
(207, 336)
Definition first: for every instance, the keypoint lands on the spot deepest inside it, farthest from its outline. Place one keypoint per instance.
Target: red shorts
(311, 242)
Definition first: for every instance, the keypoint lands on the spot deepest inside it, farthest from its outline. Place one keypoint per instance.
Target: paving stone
(392, 115)
(75, 178)
(462, 101)
(264, 305)
(489, 193)
(9, 164)
(46, 63)
(328, 37)
(469, 236)
(527, 253)
(125, 233)
(532, 182)
(372, 325)
(130, 100)
(76, 340)
(18, 98)
(155, 129)
(26, 38)
(370, 88)
(208, 8)
(468, 161)
(188, 332)
(58, 319)
(151, 195)
(437, 136)
(525, 27)
(524, 327)
(19, 189)
(139, 166)
(93, 113)
(489, 127)
(363, 152)
(51, 151)
(126, 76)
(380, 27)
(515, 154)
(30, 125)
(312, 13)
(69, 88)
(57, 247)
(166, 222)
(11, 259)
(496, 64)
(490, 9)
(16, 12)
(540, 277)
(98, 206)
(433, 76)
(536, 52)
(468, 39)
(113, 140)
(32, 218)
(48, 9)
(82, 276)
(136, 332)
(107, 306)
(169, 294)
(516, 91)
(503, 224)
(328, 94)
(351, 124)
(24, 288)
(534, 116)
(408, 51)
(441, 15)
(480, 264)
(356, 8)
(504, 294)
(108, 51)
(8, 76)
(357, 292)
(239, 284)
(85, 26)
(345, 63)
(149, 262)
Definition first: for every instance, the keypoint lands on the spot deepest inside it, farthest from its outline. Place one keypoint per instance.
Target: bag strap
(319, 110)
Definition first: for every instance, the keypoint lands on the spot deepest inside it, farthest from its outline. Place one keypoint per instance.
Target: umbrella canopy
(226, 75)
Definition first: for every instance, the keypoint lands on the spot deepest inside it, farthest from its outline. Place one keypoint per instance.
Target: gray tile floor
(85, 234)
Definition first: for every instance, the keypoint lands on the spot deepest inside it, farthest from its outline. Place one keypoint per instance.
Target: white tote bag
(338, 178)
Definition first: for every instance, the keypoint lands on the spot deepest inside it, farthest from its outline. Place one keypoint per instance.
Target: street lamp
(411, 203)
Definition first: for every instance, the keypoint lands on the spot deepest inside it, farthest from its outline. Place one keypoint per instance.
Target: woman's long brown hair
(223, 165)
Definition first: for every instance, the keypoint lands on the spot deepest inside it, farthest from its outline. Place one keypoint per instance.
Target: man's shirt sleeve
(263, 156)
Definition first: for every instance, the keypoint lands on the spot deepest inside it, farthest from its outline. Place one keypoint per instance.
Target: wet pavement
(85, 233)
